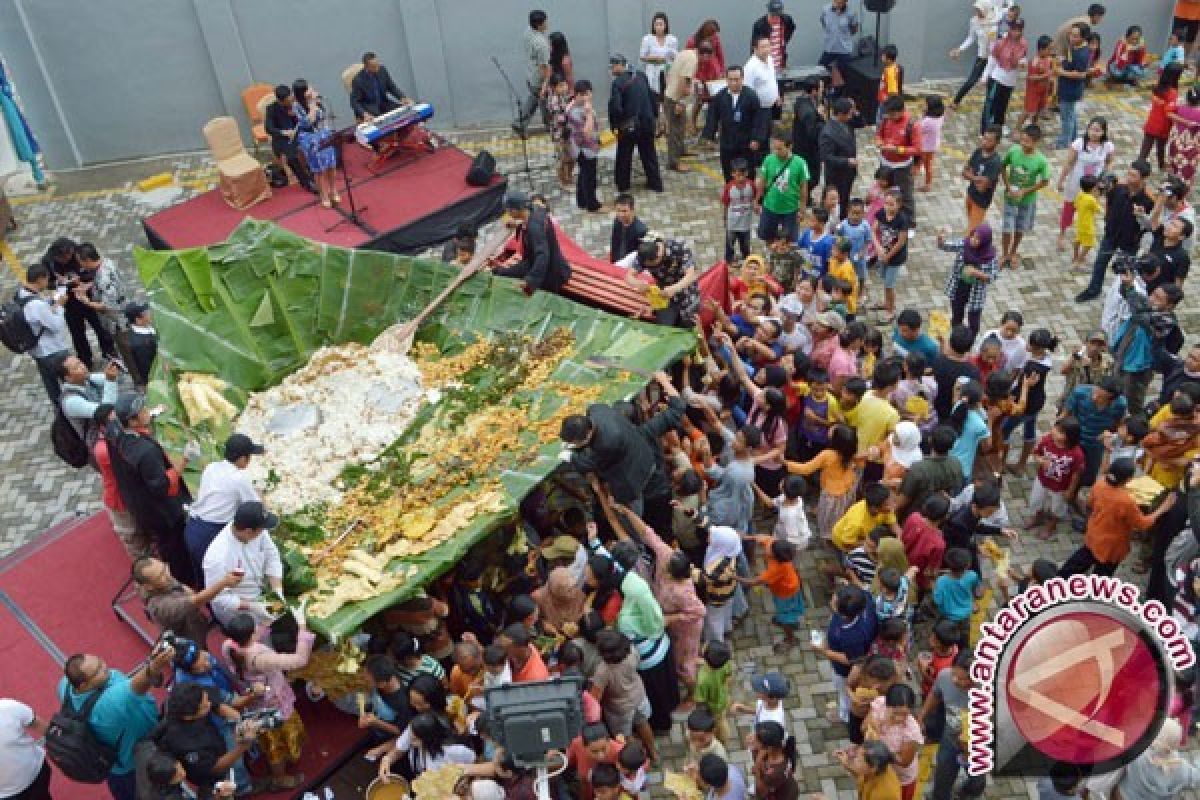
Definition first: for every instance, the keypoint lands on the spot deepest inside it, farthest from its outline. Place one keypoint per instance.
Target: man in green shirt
(1025, 171)
(781, 191)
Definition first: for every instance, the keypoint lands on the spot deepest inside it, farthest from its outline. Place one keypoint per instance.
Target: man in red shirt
(899, 141)
(523, 657)
(778, 27)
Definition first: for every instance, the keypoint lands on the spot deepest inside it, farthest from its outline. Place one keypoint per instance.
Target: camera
(165, 639)
(1121, 264)
(263, 719)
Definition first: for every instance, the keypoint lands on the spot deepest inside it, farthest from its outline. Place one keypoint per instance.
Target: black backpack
(67, 443)
(72, 746)
(15, 331)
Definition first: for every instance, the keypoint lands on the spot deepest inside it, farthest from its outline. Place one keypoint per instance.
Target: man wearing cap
(244, 547)
(840, 26)
(1087, 365)
(151, 485)
(631, 113)
(542, 265)
(143, 342)
(224, 486)
(776, 27)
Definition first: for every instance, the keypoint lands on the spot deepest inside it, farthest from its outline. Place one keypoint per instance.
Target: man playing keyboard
(370, 89)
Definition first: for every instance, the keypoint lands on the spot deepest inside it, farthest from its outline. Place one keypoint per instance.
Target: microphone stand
(339, 160)
(519, 123)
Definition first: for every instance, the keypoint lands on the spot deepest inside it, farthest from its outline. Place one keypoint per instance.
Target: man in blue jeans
(1072, 71)
(1126, 218)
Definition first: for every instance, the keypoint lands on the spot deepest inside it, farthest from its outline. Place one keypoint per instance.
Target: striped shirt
(428, 665)
(862, 565)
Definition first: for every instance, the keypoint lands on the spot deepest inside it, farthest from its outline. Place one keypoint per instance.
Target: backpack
(716, 585)
(15, 331)
(74, 748)
(67, 443)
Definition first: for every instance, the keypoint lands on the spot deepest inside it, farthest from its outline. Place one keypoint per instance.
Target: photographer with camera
(1171, 204)
(1150, 330)
(120, 715)
(162, 778)
(189, 734)
(280, 729)
(1126, 218)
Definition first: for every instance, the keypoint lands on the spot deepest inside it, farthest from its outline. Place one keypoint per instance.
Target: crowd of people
(820, 423)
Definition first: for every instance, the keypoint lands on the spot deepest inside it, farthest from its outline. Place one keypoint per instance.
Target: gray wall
(126, 78)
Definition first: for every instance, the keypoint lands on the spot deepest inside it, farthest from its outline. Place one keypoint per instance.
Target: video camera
(263, 719)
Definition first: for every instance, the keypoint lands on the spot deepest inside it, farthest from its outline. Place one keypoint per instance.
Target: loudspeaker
(862, 84)
(482, 169)
(879, 6)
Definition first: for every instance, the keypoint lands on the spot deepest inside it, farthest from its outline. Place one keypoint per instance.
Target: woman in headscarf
(682, 608)
(889, 553)
(561, 603)
(974, 268)
(723, 596)
(1160, 773)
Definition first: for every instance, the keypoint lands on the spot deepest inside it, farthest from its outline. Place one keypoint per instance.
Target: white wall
(117, 79)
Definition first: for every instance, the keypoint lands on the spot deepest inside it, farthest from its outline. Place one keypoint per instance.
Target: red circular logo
(1084, 687)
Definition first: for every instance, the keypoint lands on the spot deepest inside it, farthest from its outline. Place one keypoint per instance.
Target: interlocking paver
(36, 490)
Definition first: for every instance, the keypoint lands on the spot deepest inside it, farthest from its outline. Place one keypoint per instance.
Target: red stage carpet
(55, 597)
(414, 201)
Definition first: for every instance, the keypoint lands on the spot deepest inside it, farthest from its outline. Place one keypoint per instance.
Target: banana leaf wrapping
(253, 310)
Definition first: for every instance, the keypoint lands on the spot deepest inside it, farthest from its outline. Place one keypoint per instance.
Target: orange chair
(252, 98)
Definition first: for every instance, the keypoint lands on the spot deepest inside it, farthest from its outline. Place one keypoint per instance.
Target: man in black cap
(151, 485)
(776, 26)
(244, 548)
(542, 265)
(143, 342)
(224, 486)
(631, 113)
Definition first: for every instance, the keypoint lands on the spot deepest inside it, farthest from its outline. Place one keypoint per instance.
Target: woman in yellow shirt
(1087, 208)
(839, 477)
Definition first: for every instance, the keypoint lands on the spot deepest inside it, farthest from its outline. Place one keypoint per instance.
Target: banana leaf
(253, 309)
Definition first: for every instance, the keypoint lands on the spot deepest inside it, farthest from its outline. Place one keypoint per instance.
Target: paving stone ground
(36, 490)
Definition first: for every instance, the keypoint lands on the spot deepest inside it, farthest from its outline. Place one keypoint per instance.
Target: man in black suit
(743, 123)
(370, 89)
(839, 151)
(631, 113)
(542, 265)
(806, 128)
(627, 229)
(279, 121)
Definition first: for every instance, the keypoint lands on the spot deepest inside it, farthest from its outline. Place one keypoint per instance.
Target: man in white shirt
(224, 486)
(760, 76)
(244, 548)
(49, 324)
(24, 770)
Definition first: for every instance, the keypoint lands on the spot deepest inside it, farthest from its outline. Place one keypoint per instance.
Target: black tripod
(520, 124)
(337, 141)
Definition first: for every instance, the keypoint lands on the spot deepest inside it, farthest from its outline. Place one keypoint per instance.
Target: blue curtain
(18, 128)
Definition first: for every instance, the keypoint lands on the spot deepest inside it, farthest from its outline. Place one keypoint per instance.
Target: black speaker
(879, 6)
(482, 169)
(862, 84)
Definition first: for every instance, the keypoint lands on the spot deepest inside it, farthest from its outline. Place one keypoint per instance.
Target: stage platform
(56, 597)
(412, 201)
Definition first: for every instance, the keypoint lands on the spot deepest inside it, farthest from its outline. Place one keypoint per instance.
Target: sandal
(287, 782)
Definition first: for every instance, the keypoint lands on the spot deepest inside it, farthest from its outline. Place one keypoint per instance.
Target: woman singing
(315, 140)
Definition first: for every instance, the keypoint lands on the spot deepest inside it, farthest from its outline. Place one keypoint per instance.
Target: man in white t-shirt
(244, 547)
(759, 75)
(24, 770)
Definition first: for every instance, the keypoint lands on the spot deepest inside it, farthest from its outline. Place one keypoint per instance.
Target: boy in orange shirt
(842, 268)
(782, 580)
(890, 82)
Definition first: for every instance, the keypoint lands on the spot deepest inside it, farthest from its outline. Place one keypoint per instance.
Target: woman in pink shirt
(256, 662)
